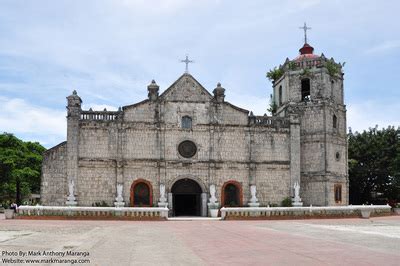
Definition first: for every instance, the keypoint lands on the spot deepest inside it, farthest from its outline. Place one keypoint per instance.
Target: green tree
(275, 74)
(20, 166)
(374, 166)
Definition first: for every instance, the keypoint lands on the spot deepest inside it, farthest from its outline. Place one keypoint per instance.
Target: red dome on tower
(306, 49)
(306, 52)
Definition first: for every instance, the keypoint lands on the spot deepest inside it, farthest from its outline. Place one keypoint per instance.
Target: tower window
(305, 90)
(338, 193)
(187, 122)
(334, 121)
(280, 95)
(337, 156)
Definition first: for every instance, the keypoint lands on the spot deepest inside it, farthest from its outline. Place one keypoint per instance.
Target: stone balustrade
(305, 212)
(271, 121)
(128, 213)
(99, 115)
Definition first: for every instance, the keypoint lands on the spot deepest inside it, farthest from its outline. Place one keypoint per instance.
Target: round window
(187, 149)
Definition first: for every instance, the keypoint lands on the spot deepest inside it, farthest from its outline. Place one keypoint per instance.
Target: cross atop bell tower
(305, 28)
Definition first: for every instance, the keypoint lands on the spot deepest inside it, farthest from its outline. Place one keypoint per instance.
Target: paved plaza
(374, 241)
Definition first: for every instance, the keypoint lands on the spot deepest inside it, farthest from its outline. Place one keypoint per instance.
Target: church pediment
(186, 89)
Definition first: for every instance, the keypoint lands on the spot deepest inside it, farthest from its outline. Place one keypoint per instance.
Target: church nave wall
(273, 183)
(54, 176)
(96, 183)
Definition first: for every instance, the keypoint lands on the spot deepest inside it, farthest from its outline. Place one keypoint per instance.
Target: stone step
(193, 218)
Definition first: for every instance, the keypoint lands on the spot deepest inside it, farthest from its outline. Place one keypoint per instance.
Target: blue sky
(109, 51)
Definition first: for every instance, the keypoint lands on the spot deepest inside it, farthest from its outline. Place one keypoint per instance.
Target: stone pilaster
(294, 152)
(251, 164)
(73, 116)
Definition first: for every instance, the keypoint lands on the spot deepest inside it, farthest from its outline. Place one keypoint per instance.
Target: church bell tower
(310, 87)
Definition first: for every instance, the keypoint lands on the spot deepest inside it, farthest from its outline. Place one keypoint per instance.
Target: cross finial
(305, 28)
(187, 61)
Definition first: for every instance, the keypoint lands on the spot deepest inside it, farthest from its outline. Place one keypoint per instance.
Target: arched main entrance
(186, 198)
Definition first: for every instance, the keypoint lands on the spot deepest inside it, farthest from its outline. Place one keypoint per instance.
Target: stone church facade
(187, 141)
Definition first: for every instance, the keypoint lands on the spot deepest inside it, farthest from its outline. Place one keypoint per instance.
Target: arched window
(334, 121)
(280, 95)
(186, 122)
(338, 193)
(232, 194)
(141, 194)
(305, 90)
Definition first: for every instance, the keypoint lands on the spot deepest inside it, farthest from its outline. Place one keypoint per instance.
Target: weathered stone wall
(270, 144)
(96, 182)
(232, 116)
(333, 88)
(314, 189)
(273, 183)
(141, 112)
(96, 141)
(54, 176)
(140, 142)
(172, 112)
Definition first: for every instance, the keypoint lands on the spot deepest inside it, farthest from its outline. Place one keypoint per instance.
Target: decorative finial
(153, 88)
(153, 84)
(187, 61)
(305, 28)
(74, 92)
(219, 93)
(105, 110)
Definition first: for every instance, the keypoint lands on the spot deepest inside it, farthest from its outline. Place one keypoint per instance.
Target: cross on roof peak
(305, 28)
(187, 61)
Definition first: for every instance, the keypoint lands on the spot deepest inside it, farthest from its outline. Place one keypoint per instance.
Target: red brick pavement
(245, 243)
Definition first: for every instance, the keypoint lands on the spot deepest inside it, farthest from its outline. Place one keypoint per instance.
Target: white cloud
(21, 118)
(368, 114)
(385, 46)
(99, 107)
(110, 50)
(163, 7)
(255, 104)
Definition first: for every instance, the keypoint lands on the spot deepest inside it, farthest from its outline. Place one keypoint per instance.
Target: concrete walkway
(373, 241)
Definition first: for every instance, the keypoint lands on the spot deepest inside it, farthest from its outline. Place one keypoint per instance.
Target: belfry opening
(186, 195)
